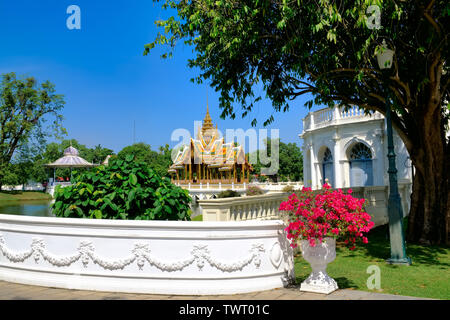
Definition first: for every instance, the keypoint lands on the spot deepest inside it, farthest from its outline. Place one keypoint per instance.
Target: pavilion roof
(70, 160)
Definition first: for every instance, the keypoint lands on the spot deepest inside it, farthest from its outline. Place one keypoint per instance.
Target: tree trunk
(429, 215)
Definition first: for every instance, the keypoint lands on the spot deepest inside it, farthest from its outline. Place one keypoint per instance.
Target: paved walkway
(13, 291)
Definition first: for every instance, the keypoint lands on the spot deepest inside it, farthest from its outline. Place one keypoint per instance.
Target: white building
(349, 149)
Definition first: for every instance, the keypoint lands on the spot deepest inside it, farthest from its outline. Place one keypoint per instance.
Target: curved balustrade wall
(159, 257)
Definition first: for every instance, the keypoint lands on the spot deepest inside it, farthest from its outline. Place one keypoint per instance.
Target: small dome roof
(71, 151)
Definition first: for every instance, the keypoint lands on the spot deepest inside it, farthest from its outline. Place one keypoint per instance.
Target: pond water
(40, 208)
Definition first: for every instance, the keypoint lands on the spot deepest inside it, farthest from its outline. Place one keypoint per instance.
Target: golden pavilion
(209, 159)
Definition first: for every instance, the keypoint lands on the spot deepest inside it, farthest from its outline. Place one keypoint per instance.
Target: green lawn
(23, 195)
(428, 276)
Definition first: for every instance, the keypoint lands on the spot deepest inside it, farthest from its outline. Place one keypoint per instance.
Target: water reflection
(39, 208)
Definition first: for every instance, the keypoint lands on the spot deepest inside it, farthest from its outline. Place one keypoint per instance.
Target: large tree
(327, 49)
(25, 107)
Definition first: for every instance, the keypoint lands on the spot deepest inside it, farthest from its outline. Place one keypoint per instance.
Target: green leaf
(133, 179)
(67, 212)
(123, 215)
(97, 214)
(79, 211)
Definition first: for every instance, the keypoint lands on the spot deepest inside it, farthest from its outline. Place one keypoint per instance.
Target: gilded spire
(207, 122)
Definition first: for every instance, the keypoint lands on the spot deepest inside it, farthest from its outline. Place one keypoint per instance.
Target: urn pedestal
(319, 257)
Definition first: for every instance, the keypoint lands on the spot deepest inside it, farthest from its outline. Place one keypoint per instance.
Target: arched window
(360, 152)
(327, 167)
(360, 166)
(327, 156)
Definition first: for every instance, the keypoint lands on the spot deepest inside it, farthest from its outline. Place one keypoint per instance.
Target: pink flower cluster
(314, 215)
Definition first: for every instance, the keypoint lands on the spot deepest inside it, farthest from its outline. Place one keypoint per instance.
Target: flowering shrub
(254, 191)
(326, 213)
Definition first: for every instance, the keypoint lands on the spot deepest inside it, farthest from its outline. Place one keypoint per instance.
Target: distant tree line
(290, 162)
(27, 166)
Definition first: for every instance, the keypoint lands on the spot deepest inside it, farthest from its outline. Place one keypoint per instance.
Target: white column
(311, 163)
(379, 162)
(336, 166)
(311, 121)
(336, 113)
(306, 168)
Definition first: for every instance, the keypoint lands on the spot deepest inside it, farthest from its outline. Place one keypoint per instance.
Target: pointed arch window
(360, 152)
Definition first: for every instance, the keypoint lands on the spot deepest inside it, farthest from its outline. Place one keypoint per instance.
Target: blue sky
(107, 82)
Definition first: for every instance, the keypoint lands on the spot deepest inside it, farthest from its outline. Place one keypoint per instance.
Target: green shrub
(254, 191)
(122, 190)
(288, 188)
(228, 194)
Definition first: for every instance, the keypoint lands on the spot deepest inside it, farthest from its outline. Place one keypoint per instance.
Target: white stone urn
(319, 257)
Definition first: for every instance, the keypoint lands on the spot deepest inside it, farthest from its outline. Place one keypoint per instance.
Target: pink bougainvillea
(314, 215)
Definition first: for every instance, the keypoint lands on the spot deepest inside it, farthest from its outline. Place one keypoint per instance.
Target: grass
(427, 277)
(7, 196)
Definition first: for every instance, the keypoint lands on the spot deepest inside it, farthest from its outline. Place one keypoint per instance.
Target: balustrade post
(336, 114)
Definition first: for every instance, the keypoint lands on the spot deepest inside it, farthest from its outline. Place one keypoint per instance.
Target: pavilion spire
(207, 122)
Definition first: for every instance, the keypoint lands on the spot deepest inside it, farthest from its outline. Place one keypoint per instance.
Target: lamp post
(395, 212)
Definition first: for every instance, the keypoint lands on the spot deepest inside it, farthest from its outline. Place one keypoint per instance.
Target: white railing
(351, 112)
(324, 117)
(266, 206)
(25, 187)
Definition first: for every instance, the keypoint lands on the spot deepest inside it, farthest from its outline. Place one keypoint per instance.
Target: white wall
(369, 130)
(159, 257)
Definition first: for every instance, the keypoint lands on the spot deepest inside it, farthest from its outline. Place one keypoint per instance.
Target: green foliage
(198, 218)
(228, 194)
(125, 189)
(323, 50)
(254, 191)
(290, 161)
(158, 161)
(326, 52)
(25, 106)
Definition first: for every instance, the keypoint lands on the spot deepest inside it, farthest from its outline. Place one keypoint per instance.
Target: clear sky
(107, 82)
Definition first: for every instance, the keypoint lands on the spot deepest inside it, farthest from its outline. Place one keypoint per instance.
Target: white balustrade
(153, 257)
(261, 207)
(265, 207)
(332, 116)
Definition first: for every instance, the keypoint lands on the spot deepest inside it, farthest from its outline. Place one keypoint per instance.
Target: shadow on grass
(11, 191)
(343, 282)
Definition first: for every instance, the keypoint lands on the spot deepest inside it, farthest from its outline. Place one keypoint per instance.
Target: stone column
(378, 162)
(336, 114)
(306, 175)
(311, 162)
